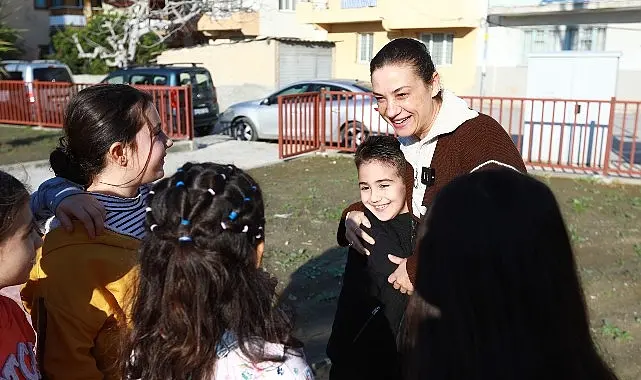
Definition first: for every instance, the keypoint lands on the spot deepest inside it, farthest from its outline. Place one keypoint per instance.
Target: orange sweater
(77, 295)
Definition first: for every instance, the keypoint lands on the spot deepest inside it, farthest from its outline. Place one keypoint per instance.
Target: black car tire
(244, 130)
(203, 130)
(360, 131)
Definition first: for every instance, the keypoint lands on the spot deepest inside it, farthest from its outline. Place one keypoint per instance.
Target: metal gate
(298, 124)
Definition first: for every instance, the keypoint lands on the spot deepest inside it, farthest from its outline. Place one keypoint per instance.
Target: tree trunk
(86, 9)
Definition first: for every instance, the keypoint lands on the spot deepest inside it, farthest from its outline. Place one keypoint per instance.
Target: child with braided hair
(203, 308)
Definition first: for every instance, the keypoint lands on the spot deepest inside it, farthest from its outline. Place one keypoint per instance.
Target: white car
(348, 119)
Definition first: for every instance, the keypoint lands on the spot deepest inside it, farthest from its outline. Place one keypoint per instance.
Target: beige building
(361, 27)
(32, 22)
(38, 19)
(265, 18)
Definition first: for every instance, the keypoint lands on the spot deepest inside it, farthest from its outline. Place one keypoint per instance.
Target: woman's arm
(67, 201)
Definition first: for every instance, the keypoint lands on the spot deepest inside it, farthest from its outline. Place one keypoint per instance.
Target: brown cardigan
(473, 143)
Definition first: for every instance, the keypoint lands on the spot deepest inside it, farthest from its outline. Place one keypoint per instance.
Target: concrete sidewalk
(221, 149)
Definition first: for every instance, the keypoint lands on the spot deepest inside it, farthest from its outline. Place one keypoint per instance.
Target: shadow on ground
(28, 140)
(312, 294)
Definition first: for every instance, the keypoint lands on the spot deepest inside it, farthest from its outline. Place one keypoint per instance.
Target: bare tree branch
(140, 19)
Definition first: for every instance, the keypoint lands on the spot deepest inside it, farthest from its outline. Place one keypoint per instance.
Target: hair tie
(184, 222)
(233, 215)
(148, 209)
(184, 239)
(211, 191)
(180, 184)
(152, 227)
(245, 229)
(223, 225)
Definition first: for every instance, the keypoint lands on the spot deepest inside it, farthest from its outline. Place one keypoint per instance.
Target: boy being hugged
(363, 343)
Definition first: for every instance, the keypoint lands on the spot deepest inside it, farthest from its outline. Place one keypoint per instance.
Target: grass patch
(613, 332)
(304, 199)
(23, 144)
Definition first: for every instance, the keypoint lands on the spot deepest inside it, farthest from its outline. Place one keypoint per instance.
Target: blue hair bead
(254, 188)
(233, 215)
(247, 199)
(180, 184)
(185, 239)
(180, 170)
(184, 222)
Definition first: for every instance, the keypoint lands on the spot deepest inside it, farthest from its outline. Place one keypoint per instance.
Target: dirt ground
(22, 144)
(304, 200)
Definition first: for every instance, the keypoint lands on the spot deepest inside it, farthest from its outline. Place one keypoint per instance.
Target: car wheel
(202, 130)
(243, 129)
(356, 134)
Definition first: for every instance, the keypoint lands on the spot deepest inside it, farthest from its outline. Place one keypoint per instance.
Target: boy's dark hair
(199, 277)
(97, 117)
(496, 260)
(406, 51)
(385, 149)
(13, 196)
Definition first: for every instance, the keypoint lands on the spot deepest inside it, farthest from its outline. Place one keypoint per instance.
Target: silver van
(52, 99)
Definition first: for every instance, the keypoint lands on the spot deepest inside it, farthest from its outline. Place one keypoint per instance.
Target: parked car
(347, 117)
(50, 98)
(205, 101)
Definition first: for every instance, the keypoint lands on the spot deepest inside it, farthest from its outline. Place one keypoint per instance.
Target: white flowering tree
(160, 17)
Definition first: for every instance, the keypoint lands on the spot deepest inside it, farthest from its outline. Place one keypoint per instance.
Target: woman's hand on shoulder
(353, 232)
(85, 208)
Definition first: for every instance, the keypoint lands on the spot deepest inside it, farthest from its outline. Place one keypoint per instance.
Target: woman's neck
(437, 107)
(123, 191)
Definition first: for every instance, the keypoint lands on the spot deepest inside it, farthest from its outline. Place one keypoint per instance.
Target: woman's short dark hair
(199, 276)
(385, 149)
(97, 117)
(13, 197)
(497, 263)
(405, 51)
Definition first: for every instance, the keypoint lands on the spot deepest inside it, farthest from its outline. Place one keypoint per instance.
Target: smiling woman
(441, 138)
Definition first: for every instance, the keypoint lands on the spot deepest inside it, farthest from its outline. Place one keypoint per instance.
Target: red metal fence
(583, 136)
(44, 103)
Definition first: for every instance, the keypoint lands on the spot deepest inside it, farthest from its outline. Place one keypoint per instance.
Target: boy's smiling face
(382, 189)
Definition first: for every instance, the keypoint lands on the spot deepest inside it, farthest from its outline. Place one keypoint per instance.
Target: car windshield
(52, 74)
(14, 75)
(365, 86)
(203, 85)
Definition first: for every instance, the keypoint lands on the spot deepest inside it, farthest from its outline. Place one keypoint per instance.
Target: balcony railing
(352, 4)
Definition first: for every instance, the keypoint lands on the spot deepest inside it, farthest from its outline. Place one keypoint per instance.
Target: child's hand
(400, 279)
(353, 232)
(86, 209)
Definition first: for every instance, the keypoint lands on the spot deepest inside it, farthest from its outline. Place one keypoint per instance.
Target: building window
(41, 4)
(440, 46)
(287, 5)
(555, 39)
(365, 47)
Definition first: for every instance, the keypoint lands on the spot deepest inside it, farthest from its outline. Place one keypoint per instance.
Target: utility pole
(486, 37)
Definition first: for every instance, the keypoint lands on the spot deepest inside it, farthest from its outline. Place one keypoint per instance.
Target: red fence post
(189, 116)
(608, 145)
(320, 121)
(280, 127)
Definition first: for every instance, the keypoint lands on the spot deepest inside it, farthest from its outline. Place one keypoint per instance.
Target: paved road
(221, 149)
